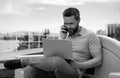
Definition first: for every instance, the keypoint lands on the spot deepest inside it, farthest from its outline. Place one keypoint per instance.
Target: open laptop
(62, 48)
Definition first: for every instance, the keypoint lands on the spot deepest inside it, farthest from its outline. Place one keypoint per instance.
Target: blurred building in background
(113, 30)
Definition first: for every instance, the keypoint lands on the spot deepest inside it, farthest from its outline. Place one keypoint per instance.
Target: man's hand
(74, 64)
(63, 32)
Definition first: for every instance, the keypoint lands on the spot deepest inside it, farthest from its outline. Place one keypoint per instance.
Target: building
(113, 30)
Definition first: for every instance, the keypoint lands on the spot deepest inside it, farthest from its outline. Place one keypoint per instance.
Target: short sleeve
(94, 42)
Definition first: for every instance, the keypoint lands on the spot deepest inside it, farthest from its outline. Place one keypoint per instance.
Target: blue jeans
(51, 67)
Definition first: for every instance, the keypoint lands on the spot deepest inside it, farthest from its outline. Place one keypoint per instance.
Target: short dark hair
(72, 12)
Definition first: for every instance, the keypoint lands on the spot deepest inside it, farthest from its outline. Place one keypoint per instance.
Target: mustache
(70, 29)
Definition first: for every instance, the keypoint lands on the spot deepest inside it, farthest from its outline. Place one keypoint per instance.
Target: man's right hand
(63, 32)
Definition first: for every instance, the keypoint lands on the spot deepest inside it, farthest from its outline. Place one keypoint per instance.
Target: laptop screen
(62, 48)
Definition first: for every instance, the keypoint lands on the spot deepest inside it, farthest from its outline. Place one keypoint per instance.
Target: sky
(37, 15)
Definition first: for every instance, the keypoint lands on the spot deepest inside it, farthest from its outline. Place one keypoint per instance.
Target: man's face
(71, 23)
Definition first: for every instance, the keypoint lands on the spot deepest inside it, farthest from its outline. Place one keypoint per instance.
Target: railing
(16, 44)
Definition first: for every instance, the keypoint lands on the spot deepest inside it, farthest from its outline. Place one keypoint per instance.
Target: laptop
(62, 48)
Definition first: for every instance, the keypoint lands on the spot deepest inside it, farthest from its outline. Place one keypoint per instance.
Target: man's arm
(95, 61)
(95, 51)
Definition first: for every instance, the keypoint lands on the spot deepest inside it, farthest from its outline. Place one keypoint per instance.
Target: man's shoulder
(87, 32)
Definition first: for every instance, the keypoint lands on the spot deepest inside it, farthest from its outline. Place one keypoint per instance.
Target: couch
(110, 67)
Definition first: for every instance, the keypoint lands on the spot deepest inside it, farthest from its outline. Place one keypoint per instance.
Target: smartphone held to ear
(65, 29)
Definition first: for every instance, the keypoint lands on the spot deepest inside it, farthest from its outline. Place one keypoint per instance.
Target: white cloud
(40, 8)
(21, 7)
(67, 2)
(15, 7)
(55, 2)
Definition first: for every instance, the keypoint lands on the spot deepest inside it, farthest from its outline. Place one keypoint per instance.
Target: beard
(73, 31)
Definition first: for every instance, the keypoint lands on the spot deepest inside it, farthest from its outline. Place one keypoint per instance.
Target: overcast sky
(37, 15)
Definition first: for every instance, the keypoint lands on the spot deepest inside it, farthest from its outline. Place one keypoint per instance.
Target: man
(86, 52)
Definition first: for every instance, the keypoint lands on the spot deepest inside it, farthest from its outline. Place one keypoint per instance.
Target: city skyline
(38, 15)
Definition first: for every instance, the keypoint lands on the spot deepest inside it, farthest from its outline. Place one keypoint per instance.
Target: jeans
(50, 67)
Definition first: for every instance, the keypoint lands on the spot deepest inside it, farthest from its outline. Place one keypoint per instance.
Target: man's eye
(65, 24)
(71, 23)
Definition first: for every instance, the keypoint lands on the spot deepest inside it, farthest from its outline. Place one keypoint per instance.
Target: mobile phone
(65, 31)
(65, 28)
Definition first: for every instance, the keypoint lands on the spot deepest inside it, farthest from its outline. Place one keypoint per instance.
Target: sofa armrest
(114, 75)
(29, 56)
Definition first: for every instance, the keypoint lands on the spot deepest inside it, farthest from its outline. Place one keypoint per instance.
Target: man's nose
(68, 26)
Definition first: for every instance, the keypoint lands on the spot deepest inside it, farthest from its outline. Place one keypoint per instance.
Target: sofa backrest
(111, 57)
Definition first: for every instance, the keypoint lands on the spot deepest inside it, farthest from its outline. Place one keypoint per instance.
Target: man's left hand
(74, 64)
